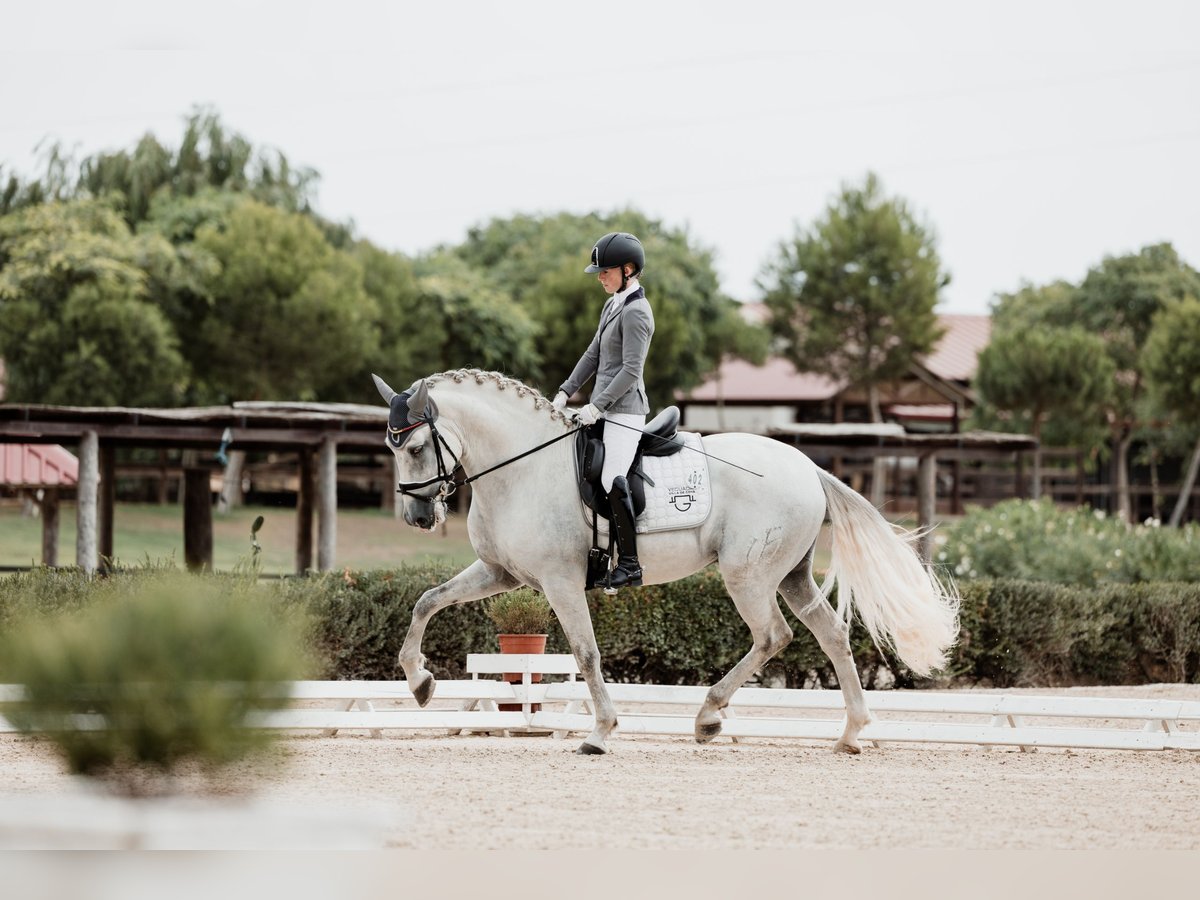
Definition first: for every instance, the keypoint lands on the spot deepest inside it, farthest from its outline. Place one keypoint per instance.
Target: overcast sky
(1034, 137)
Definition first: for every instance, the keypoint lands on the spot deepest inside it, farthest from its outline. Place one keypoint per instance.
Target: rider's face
(610, 279)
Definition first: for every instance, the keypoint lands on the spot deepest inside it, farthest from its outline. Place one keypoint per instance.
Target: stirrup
(632, 578)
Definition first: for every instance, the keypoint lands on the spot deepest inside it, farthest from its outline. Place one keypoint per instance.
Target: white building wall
(753, 419)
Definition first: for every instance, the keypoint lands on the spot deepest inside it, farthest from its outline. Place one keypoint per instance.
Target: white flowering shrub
(1036, 540)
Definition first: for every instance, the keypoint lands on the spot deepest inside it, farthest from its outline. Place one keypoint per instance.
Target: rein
(449, 484)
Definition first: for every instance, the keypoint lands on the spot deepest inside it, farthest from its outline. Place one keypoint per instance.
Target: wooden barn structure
(315, 431)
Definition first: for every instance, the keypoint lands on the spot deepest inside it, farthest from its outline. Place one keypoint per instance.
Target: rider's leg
(620, 447)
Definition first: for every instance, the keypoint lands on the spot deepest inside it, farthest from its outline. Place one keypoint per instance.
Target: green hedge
(688, 632)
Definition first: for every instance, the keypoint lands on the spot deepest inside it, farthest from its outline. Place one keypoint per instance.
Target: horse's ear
(420, 406)
(384, 391)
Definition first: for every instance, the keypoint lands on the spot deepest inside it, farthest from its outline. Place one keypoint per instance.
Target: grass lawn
(367, 538)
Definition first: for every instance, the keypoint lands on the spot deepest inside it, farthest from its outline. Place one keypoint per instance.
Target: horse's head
(426, 456)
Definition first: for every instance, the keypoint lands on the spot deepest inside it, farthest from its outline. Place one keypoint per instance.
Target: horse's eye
(416, 451)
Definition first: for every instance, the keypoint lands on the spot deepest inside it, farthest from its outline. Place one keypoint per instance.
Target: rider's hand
(560, 400)
(587, 415)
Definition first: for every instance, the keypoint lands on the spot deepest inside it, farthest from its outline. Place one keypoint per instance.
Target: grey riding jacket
(617, 354)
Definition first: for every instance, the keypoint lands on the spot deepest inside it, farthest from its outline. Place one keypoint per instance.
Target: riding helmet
(615, 249)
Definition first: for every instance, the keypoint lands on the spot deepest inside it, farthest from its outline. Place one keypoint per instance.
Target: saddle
(658, 439)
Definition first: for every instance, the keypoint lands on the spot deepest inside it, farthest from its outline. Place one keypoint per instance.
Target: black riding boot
(628, 572)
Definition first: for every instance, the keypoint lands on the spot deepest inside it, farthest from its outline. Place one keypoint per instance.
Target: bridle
(445, 476)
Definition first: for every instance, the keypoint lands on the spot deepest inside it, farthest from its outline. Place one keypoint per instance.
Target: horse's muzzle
(419, 513)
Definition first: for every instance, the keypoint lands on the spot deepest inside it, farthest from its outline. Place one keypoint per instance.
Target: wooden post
(197, 520)
(85, 507)
(106, 500)
(327, 505)
(50, 527)
(162, 477)
(304, 513)
(388, 495)
(927, 503)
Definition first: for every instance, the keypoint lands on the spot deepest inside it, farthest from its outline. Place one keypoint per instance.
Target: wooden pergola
(873, 441)
(315, 431)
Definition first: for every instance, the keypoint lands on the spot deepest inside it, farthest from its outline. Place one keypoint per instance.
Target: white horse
(527, 528)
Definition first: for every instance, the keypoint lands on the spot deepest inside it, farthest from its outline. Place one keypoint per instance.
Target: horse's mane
(502, 383)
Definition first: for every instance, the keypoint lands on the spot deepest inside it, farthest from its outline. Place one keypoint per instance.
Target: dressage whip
(663, 440)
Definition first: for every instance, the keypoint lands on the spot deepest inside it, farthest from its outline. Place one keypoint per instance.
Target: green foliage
(479, 325)
(539, 262)
(523, 611)
(289, 318)
(1171, 359)
(160, 674)
(78, 325)
(1045, 372)
(1014, 632)
(1020, 633)
(1119, 300)
(209, 156)
(1035, 540)
(362, 618)
(853, 297)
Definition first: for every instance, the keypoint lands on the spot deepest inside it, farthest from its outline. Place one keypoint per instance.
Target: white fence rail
(990, 719)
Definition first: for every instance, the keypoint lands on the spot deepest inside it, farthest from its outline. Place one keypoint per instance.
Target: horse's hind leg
(810, 606)
(756, 603)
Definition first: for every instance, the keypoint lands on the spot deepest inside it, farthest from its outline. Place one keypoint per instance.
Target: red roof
(37, 465)
(955, 359)
(775, 381)
(956, 356)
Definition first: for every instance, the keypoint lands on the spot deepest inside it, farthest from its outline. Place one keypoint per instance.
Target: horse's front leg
(570, 606)
(475, 582)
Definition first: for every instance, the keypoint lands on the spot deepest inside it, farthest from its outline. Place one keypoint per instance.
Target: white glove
(587, 415)
(560, 400)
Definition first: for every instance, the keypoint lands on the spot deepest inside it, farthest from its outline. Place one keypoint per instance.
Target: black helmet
(615, 249)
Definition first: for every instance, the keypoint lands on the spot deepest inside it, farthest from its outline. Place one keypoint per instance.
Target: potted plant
(522, 620)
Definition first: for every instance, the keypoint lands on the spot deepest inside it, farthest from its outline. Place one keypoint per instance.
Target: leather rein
(445, 477)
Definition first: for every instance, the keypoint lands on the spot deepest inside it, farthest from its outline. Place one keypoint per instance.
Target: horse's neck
(492, 429)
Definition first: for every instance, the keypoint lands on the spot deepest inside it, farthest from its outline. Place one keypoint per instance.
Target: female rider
(616, 356)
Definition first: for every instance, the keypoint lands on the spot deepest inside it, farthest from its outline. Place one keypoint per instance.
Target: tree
(481, 326)
(853, 296)
(1037, 373)
(289, 316)
(1118, 300)
(412, 330)
(539, 262)
(1171, 362)
(77, 326)
(209, 156)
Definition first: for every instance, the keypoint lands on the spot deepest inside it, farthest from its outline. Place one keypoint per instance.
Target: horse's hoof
(853, 749)
(586, 749)
(706, 731)
(423, 692)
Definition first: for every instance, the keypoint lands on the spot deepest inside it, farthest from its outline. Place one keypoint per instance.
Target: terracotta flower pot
(521, 643)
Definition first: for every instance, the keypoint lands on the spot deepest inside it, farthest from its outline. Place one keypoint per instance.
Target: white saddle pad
(680, 496)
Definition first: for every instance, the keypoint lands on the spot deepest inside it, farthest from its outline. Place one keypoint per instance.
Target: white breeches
(620, 445)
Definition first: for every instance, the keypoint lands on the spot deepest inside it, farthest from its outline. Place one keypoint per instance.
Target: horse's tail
(879, 575)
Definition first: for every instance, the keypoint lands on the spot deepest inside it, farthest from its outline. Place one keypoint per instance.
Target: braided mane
(502, 383)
